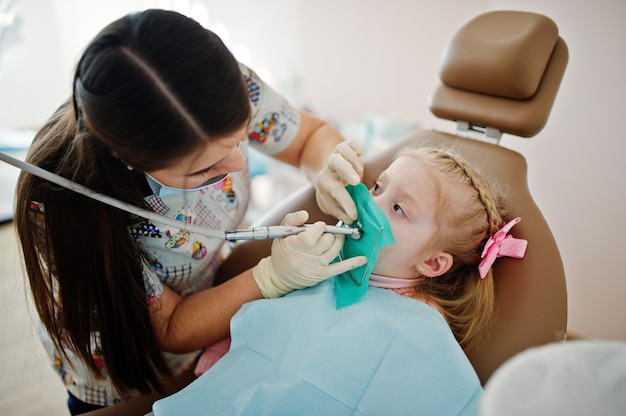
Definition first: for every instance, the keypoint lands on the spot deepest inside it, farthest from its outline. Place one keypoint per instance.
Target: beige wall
(350, 59)
(577, 163)
(383, 58)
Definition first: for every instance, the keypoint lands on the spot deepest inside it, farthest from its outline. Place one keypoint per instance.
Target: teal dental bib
(375, 234)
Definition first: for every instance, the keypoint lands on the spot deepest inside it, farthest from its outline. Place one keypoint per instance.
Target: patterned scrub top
(184, 261)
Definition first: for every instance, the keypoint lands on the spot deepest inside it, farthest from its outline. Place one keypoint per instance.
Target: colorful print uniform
(186, 262)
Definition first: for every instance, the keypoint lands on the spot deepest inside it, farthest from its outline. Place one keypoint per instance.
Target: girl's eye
(376, 189)
(398, 209)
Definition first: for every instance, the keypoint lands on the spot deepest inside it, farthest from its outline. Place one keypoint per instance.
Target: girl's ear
(436, 265)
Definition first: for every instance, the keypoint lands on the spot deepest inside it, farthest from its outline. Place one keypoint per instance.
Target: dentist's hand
(301, 260)
(344, 166)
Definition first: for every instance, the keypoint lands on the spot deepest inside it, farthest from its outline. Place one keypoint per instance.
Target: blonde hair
(469, 211)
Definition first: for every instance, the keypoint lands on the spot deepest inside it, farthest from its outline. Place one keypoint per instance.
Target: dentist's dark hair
(151, 87)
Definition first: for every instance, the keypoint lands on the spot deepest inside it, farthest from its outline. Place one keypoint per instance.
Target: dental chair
(500, 74)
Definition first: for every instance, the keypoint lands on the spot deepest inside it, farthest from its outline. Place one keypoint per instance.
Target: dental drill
(255, 233)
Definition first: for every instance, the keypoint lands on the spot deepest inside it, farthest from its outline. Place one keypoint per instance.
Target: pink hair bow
(501, 245)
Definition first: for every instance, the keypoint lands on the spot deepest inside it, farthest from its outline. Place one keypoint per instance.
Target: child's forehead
(408, 164)
(412, 178)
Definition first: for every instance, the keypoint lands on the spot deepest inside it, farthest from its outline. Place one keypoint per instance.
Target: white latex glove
(344, 166)
(302, 260)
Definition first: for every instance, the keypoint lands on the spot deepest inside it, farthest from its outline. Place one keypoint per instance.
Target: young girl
(445, 219)
(160, 117)
(384, 354)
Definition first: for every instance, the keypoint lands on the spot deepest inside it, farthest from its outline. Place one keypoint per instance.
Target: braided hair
(470, 211)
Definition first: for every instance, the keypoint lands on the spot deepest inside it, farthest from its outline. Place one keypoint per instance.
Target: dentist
(161, 116)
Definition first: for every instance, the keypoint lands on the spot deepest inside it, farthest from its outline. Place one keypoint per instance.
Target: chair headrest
(502, 70)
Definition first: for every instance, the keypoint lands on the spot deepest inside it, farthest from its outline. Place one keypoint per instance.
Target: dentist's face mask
(161, 190)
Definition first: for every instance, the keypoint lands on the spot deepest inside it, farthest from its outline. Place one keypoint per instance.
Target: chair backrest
(500, 75)
(531, 304)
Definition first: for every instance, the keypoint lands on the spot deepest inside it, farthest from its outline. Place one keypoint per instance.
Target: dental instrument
(255, 233)
(279, 231)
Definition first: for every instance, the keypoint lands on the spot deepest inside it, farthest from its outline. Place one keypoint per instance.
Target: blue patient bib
(301, 355)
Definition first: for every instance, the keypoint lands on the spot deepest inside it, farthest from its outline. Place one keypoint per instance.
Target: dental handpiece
(256, 233)
(279, 231)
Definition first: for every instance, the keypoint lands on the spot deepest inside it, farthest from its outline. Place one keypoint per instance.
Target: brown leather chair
(500, 74)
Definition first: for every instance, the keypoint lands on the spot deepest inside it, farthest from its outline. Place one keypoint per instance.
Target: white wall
(577, 164)
(351, 59)
(36, 73)
(383, 57)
